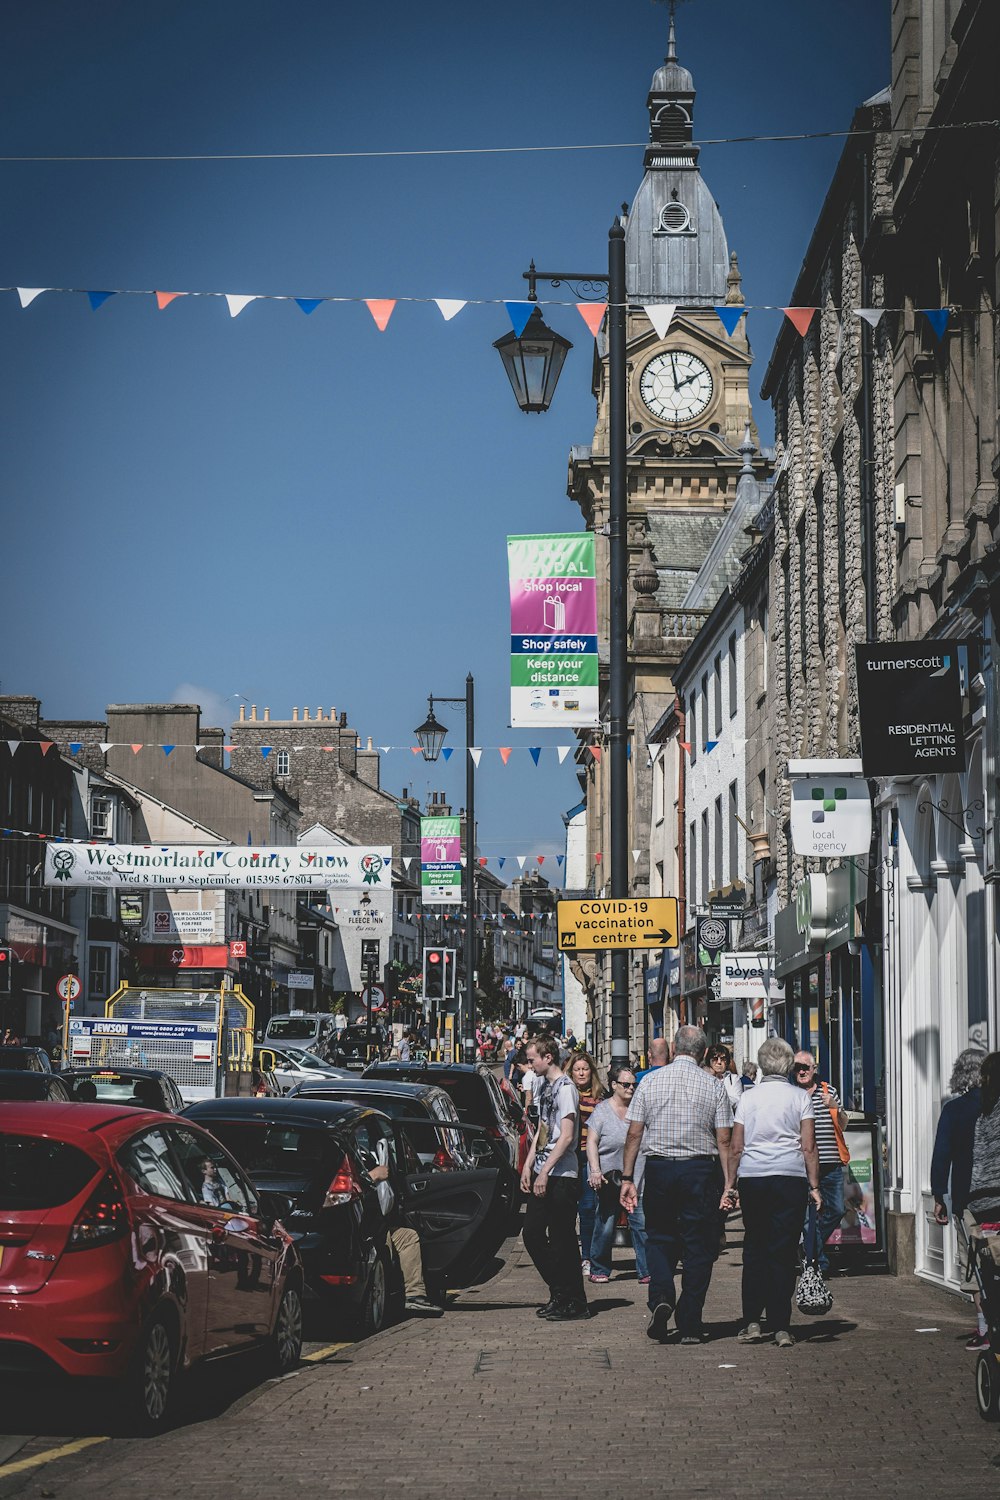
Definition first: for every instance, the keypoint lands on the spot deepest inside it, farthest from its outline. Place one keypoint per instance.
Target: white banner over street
(332, 867)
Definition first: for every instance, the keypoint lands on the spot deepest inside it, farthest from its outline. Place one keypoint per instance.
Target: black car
(434, 1143)
(143, 1088)
(476, 1095)
(22, 1083)
(357, 1046)
(317, 1153)
(25, 1059)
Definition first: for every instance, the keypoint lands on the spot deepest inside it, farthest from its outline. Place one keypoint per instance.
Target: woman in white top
(774, 1157)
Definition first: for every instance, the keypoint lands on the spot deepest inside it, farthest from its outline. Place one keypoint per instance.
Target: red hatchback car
(132, 1246)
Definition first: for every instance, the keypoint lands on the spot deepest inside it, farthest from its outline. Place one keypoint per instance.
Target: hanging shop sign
(553, 631)
(731, 901)
(910, 704)
(440, 861)
(831, 814)
(183, 956)
(713, 938)
(749, 976)
(338, 867)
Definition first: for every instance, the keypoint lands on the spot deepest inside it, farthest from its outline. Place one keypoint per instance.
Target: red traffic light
(433, 958)
(4, 955)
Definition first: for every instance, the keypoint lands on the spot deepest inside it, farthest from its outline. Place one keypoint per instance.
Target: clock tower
(695, 477)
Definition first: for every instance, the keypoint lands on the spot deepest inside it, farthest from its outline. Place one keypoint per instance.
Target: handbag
(842, 1146)
(609, 1193)
(812, 1295)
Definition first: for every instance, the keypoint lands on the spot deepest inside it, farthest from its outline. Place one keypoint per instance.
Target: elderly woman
(951, 1163)
(774, 1157)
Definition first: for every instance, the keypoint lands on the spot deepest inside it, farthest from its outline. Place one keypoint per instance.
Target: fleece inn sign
(910, 702)
(336, 867)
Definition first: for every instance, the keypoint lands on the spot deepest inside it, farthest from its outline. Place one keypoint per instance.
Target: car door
(172, 1240)
(243, 1258)
(461, 1215)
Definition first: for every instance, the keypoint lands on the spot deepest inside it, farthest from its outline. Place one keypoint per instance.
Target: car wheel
(371, 1315)
(286, 1340)
(988, 1386)
(149, 1387)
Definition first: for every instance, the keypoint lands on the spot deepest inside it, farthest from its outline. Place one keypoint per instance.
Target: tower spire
(672, 37)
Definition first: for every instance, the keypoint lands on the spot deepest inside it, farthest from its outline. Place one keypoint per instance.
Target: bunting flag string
(75, 747)
(661, 315)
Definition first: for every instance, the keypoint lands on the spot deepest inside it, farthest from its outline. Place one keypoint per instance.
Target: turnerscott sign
(910, 703)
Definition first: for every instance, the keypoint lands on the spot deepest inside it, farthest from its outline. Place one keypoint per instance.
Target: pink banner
(553, 605)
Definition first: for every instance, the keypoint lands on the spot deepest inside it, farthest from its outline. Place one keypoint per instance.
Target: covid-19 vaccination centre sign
(335, 867)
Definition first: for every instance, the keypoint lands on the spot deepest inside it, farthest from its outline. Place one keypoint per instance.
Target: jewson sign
(831, 813)
(336, 867)
(553, 631)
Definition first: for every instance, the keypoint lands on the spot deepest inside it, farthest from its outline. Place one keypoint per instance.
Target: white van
(307, 1030)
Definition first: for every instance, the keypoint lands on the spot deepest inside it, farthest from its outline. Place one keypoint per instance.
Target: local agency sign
(910, 703)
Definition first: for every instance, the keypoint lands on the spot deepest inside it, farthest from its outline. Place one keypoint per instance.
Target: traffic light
(434, 970)
(6, 969)
(449, 973)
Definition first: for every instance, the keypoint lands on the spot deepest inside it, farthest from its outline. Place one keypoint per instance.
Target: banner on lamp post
(440, 861)
(553, 631)
(831, 812)
(910, 705)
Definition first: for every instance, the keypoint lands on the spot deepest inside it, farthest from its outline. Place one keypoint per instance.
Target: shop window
(99, 973)
(734, 832)
(282, 763)
(100, 817)
(733, 685)
(100, 904)
(717, 872)
(717, 694)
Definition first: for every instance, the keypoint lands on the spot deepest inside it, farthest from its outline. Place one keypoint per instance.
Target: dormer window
(674, 218)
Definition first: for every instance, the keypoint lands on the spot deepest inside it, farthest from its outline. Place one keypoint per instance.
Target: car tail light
(443, 1160)
(102, 1219)
(345, 1187)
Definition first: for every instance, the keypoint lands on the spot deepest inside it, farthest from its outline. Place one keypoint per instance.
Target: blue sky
(302, 509)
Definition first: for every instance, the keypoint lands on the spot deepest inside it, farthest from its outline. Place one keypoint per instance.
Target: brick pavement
(468, 1404)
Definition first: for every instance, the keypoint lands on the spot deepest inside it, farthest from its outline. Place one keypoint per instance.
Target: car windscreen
(113, 1089)
(15, 1084)
(270, 1150)
(468, 1093)
(307, 1060)
(292, 1028)
(17, 1057)
(39, 1173)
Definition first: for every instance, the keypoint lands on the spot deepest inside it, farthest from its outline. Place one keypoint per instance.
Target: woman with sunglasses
(605, 1157)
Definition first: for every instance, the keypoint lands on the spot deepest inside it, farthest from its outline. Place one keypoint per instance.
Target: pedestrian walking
(606, 1136)
(951, 1162)
(777, 1166)
(831, 1122)
(748, 1073)
(550, 1178)
(583, 1071)
(682, 1117)
(719, 1062)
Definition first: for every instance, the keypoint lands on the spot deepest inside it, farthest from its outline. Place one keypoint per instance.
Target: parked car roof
(292, 1108)
(25, 1083)
(68, 1120)
(371, 1085)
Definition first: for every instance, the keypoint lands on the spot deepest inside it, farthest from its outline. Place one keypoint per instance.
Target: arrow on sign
(666, 939)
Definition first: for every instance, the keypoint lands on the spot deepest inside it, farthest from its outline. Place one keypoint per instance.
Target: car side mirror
(481, 1148)
(266, 1061)
(275, 1205)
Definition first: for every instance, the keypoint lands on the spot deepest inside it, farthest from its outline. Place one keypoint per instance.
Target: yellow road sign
(634, 922)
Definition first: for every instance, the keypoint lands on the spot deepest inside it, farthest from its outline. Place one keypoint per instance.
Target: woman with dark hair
(582, 1069)
(605, 1163)
(951, 1163)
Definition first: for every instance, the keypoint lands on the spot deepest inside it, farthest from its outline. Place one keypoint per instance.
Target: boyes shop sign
(334, 867)
(910, 704)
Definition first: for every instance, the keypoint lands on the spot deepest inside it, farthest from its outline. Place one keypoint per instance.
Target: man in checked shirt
(687, 1121)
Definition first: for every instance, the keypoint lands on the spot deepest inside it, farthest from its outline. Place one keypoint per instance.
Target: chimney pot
(253, 711)
(333, 714)
(295, 716)
(319, 714)
(305, 716)
(267, 716)
(243, 713)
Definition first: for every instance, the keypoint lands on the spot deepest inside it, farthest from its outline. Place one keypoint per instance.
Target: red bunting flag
(595, 751)
(381, 310)
(685, 745)
(136, 749)
(230, 748)
(800, 318)
(540, 858)
(46, 746)
(598, 857)
(592, 314)
(164, 299)
(414, 749)
(482, 859)
(505, 753)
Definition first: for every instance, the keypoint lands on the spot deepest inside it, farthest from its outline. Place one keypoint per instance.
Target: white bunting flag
(462, 861)
(28, 294)
(237, 303)
(198, 749)
(476, 753)
(106, 746)
(12, 745)
(563, 751)
(637, 855)
(407, 862)
(661, 315)
(522, 860)
(449, 307)
(385, 749)
(871, 315)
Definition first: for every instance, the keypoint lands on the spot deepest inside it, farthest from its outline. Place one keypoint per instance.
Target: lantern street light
(430, 737)
(538, 398)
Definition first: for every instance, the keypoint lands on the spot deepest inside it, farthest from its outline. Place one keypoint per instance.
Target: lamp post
(430, 737)
(533, 370)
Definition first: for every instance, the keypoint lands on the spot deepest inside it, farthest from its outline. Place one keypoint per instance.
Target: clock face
(676, 386)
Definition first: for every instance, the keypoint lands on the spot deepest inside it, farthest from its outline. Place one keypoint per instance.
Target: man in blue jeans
(682, 1117)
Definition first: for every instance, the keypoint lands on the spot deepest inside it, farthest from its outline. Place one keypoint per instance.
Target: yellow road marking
(49, 1456)
(323, 1353)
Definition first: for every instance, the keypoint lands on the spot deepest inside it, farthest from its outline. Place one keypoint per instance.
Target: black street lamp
(430, 737)
(533, 360)
(614, 282)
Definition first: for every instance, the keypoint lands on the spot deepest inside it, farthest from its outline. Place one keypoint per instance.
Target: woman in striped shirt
(582, 1069)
